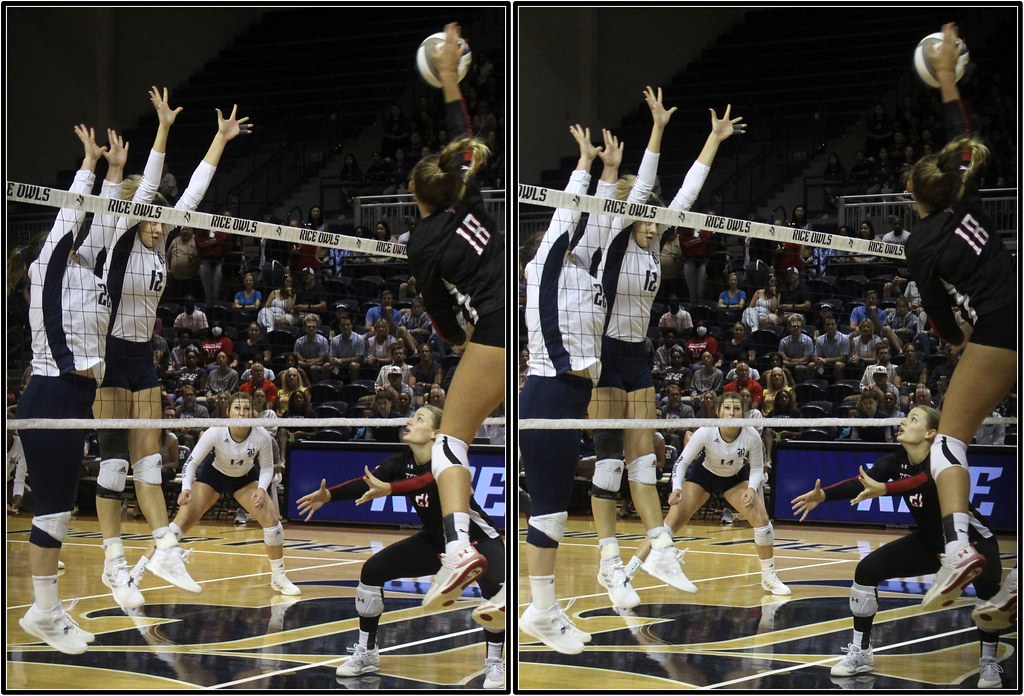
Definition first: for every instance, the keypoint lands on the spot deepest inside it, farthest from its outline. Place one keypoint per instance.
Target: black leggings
(914, 555)
(418, 555)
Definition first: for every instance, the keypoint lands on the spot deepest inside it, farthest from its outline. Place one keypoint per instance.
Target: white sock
(364, 638)
(175, 530)
(277, 564)
(542, 591)
(609, 548)
(987, 649)
(858, 638)
(44, 587)
(494, 650)
(767, 565)
(660, 537)
(633, 565)
(113, 549)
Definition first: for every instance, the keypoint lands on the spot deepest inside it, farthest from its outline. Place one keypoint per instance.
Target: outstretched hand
(808, 501)
(378, 488)
(448, 54)
(725, 127)
(660, 115)
(872, 488)
(945, 55)
(117, 154)
(588, 151)
(611, 154)
(231, 126)
(164, 111)
(87, 135)
(310, 503)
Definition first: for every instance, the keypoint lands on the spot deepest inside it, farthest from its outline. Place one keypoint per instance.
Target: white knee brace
(274, 536)
(863, 600)
(947, 452)
(551, 525)
(644, 469)
(607, 478)
(764, 536)
(55, 525)
(369, 600)
(147, 469)
(111, 479)
(446, 453)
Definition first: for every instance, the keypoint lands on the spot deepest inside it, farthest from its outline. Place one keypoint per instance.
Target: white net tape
(677, 423)
(203, 423)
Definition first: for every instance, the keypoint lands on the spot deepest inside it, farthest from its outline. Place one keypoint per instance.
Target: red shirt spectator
(215, 344)
(700, 342)
(743, 381)
(257, 382)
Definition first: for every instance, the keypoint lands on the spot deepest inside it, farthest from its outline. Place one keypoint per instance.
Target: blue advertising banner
(797, 465)
(309, 462)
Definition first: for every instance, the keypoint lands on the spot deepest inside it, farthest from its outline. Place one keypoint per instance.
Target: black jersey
(958, 259)
(921, 496)
(425, 498)
(458, 255)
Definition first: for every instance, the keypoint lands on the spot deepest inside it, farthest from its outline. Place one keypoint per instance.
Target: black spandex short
(712, 482)
(129, 365)
(490, 330)
(222, 483)
(996, 331)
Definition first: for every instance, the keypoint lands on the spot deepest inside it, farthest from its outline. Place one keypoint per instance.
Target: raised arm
(721, 129)
(227, 130)
(69, 220)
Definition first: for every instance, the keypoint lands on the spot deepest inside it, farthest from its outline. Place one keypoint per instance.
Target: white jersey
(69, 307)
(721, 457)
(136, 275)
(232, 458)
(564, 303)
(16, 464)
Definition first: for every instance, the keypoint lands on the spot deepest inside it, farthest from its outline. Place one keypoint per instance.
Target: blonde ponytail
(937, 179)
(439, 180)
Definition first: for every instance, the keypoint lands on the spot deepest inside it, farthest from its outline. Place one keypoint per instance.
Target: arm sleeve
(756, 459)
(68, 220)
(101, 233)
(390, 470)
(599, 229)
(906, 485)
(266, 459)
(691, 187)
(200, 452)
(882, 470)
(151, 176)
(690, 452)
(197, 186)
(349, 490)
(411, 485)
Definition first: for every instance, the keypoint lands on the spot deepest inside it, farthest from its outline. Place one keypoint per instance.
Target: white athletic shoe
(57, 629)
(957, 569)
(363, 661)
(551, 627)
(139, 570)
(280, 583)
(988, 674)
(494, 673)
(771, 583)
(60, 565)
(168, 564)
(726, 516)
(856, 661)
(457, 571)
(612, 577)
(666, 565)
(491, 612)
(1000, 610)
(116, 576)
(240, 516)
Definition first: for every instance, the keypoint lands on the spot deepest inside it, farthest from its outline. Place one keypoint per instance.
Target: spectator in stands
(376, 176)
(404, 409)
(398, 360)
(764, 306)
(415, 327)
(739, 347)
(707, 378)
(182, 265)
(944, 370)
(910, 373)
(398, 180)
(886, 173)
(428, 370)
(378, 345)
(396, 131)
(248, 300)
(863, 345)
(303, 256)
(291, 382)
(675, 407)
(291, 362)
(191, 317)
(315, 219)
(831, 351)
(678, 371)
(183, 344)
(879, 378)
(797, 348)
(775, 383)
(436, 396)
(676, 318)
(385, 310)
(862, 174)
(298, 407)
(776, 360)
(313, 348)
(216, 342)
(253, 346)
(662, 357)
(743, 382)
(212, 248)
(879, 130)
(833, 177)
(869, 310)
(350, 180)
(890, 408)
(190, 408)
(793, 297)
(221, 379)
(896, 235)
(900, 325)
(161, 351)
(883, 354)
(257, 381)
(410, 225)
(280, 307)
(867, 407)
(695, 247)
(309, 297)
(732, 301)
(701, 341)
(348, 350)
(865, 232)
(192, 374)
(708, 408)
(922, 397)
(381, 407)
(816, 259)
(222, 404)
(784, 406)
(408, 289)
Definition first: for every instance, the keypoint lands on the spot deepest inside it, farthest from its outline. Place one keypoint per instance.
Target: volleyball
(923, 61)
(425, 59)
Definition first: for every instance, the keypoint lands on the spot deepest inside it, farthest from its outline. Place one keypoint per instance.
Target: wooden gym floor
(733, 635)
(238, 633)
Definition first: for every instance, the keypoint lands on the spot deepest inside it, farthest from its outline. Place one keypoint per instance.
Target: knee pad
(863, 600)
(113, 444)
(609, 444)
(48, 531)
(110, 480)
(149, 469)
(764, 536)
(273, 536)
(947, 452)
(446, 453)
(546, 531)
(369, 600)
(607, 478)
(643, 469)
